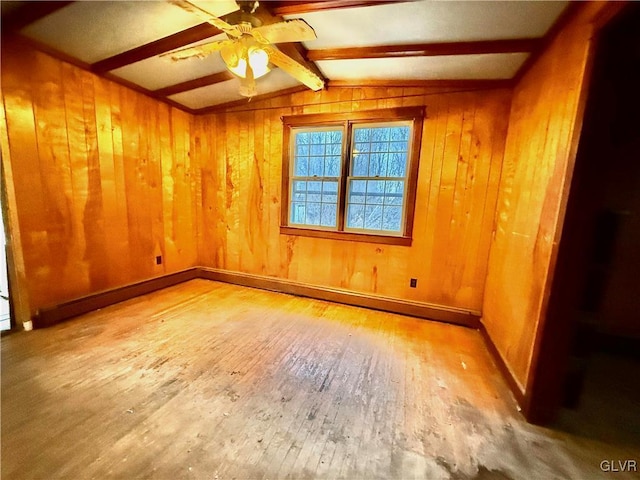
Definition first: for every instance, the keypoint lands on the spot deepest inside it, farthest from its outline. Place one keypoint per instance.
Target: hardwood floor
(206, 380)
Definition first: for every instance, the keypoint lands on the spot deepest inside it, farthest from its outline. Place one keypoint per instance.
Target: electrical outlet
(159, 260)
(413, 283)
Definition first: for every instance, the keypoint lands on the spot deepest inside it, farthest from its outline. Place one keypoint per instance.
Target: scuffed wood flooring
(206, 380)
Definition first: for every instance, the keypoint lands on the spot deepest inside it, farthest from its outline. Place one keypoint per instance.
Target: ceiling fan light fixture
(250, 47)
(259, 61)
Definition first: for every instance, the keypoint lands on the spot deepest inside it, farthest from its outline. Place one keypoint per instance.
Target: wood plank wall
(102, 176)
(538, 165)
(240, 153)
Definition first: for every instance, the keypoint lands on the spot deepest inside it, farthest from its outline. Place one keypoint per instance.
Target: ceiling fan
(249, 50)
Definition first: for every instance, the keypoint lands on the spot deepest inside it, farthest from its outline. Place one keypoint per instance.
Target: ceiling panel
(91, 31)
(158, 72)
(228, 91)
(94, 30)
(428, 21)
(210, 95)
(454, 67)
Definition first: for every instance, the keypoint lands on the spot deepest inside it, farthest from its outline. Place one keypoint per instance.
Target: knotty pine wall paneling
(240, 155)
(102, 178)
(544, 127)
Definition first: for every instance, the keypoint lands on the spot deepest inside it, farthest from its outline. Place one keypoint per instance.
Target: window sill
(349, 236)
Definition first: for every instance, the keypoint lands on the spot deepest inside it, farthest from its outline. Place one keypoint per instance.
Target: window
(351, 176)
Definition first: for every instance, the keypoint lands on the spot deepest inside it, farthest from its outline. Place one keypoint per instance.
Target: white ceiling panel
(210, 95)
(218, 8)
(159, 72)
(454, 67)
(228, 91)
(429, 21)
(94, 30)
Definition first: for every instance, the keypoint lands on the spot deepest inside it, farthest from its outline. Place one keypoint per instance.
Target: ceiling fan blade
(199, 51)
(283, 32)
(230, 30)
(293, 68)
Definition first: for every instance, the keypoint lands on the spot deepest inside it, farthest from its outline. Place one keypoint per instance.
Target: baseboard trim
(504, 370)
(48, 316)
(51, 315)
(429, 311)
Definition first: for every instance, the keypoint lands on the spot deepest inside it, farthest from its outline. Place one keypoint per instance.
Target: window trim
(315, 120)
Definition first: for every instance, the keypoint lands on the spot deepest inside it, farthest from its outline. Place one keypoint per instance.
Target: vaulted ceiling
(359, 43)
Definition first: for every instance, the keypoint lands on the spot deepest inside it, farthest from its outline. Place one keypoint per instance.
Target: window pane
(355, 216)
(314, 191)
(398, 146)
(333, 149)
(397, 165)
(328, 218)
(373, 217)
(357, 191)
(313, 213)
(392, 218)
(393, 193)
(360, 165)
(332, 166)
(301, 167)
(378, 165)
(302, 138)
(317, 137)
(375, 192)
(362, 147)
(330, 192)
(302, 150)
(375, 187)
(380, 134)
(380, 147)
(362, 134)
(317, 149)
(330, 186)
(299, 191)
(335, 136)
(399, 133)
(298, 213)
(316, 166)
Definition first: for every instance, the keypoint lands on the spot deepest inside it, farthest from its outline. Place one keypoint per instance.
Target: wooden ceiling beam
(157, 47)
(308, 6)
(437, 83)
(28, 13)
(427, 49)
(195, 83)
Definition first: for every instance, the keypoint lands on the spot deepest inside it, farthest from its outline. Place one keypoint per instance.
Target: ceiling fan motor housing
(248, 6)
(238, 18)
